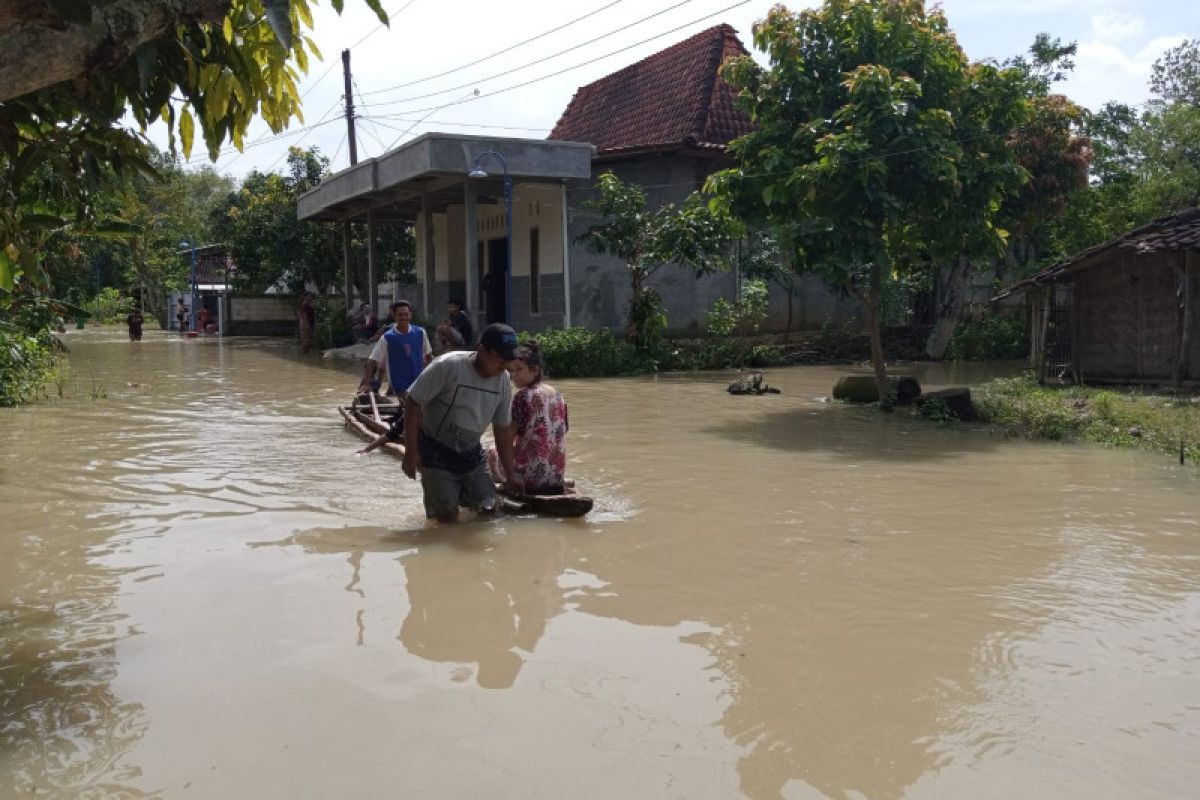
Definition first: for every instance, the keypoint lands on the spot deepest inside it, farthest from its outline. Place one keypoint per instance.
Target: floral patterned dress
(540, 424)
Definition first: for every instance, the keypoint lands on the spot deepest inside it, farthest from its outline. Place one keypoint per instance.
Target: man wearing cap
(447, 409)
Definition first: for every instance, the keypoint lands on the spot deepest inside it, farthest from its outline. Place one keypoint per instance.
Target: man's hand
(412, 462)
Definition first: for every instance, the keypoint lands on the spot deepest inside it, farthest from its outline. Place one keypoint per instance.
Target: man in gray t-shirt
(448, 408)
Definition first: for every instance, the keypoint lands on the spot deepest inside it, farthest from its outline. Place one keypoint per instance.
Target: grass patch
(1126, 417)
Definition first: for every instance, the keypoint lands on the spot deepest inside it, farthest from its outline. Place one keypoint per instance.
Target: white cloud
(1104, 71)
(1116, 26)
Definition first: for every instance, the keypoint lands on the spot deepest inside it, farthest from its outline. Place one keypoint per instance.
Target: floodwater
(203, 593)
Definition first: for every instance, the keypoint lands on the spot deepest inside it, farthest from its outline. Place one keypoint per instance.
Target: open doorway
(495, 282)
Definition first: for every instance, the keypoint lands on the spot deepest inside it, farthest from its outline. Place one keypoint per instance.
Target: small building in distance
(1121, 312)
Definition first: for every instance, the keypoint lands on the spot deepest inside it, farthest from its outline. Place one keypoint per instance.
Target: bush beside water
(994, 338)
(26, 365)
(1124, 418)
(585, 353)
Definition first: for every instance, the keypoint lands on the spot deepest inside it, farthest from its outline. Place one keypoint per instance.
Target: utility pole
(353, 160)
(349, 107)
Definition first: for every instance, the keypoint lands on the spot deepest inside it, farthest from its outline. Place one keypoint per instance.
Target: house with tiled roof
(663, 123)
(1123, 311)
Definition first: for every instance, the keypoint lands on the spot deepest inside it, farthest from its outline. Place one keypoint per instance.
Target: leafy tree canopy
(72, 70)
(879, 148)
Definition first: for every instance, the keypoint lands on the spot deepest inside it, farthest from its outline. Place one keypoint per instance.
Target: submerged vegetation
(1120, 417)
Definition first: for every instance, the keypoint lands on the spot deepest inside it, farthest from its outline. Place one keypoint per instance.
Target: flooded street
(204, 593)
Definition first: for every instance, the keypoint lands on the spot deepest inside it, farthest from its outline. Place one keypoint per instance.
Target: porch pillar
(471, 254)
(428, 269)
(566, 255)
(347, 290)
(372, 263)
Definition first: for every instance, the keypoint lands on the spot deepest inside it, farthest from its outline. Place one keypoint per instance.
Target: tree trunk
(42, 48)
(952, 297)
(870, 304)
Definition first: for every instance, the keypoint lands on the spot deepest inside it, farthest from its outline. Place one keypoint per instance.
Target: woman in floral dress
(540, 424)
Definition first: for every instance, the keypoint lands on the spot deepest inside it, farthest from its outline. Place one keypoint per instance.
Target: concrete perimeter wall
(268, 315)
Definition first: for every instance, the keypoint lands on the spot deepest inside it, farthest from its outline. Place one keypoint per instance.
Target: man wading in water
(447, 409)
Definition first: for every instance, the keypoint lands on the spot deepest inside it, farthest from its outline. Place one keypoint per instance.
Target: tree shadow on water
(855, 432)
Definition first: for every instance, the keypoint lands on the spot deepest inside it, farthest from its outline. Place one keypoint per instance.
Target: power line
(531, 63)
(574, 67)
(333, 160)
(375, 135)
(369, 34)
(473, 94)
(380, 117)
(508, 49)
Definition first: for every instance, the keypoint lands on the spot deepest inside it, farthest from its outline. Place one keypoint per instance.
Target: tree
(693, 235)
(1175, 76)
(271, 247)
(73, 69)
(878, 146)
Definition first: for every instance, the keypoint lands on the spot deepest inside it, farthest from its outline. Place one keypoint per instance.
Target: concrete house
(1124, 311)
(664, 124)
(435, 184)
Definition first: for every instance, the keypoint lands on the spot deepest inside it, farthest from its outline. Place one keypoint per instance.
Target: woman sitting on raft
(540, 424)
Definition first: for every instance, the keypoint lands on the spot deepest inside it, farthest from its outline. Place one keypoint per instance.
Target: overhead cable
(526, 65)
(508, 49)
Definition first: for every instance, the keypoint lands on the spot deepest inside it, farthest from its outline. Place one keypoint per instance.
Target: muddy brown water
(203, 593)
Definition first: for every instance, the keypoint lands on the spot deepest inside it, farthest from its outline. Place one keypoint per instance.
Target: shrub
(994, 338)
(745, 316)
(584, 353)
(109, 307)
(26, 363)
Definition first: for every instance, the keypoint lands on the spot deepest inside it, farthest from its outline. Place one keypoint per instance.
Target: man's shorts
(445, 491)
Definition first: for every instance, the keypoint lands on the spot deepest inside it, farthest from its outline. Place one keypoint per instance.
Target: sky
(412, 77)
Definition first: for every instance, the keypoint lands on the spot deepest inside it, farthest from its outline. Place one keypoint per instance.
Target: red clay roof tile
(672, 98)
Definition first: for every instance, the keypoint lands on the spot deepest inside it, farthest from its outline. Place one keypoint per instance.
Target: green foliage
(109, 306)
(1020, 406)
(211, 68)
(993, 338)
(647, 319)
(1175, 76)
(584, 353)
(1130, 418)
(879, 150)
(745, 316)
(694, 236)
(26, 364)
(271, 247)
(333, 326)
(938, 410)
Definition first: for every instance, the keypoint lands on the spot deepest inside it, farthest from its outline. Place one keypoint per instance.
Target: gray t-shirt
(457, 404)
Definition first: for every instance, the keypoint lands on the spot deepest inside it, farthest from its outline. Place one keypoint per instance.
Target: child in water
(540, 425)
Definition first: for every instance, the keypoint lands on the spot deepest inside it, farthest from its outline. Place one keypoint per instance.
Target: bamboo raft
(366, 422)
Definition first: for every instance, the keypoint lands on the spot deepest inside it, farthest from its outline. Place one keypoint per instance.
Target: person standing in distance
(447, 409)
(402, 352)
(461, 320)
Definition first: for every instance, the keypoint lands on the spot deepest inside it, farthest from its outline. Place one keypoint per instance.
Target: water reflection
(475, 599)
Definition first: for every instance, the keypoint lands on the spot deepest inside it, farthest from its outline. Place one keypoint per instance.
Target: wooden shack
(1123, 311)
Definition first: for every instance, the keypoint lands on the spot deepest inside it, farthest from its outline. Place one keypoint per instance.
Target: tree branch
(42, 48)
